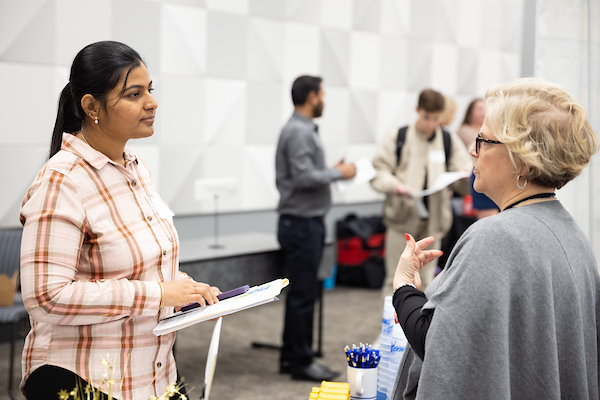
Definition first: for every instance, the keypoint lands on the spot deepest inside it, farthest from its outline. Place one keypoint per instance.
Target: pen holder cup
(363, 383)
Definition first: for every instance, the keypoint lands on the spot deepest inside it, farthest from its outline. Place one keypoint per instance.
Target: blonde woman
(516, 312)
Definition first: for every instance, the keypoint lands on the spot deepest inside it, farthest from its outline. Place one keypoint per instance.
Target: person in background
(460, 222)
(472, 122)
(100, 253)
(516, 312)
(409, 166)
(303, 181)
(448, 114)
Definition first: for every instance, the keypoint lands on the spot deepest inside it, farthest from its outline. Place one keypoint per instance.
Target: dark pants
(48, 380)
(301, 241)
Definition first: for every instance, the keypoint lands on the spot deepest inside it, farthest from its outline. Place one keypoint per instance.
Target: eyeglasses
(479, 139)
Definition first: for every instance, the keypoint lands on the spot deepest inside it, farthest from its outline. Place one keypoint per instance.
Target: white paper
(256, 296)
(364, 173)
(442, 181)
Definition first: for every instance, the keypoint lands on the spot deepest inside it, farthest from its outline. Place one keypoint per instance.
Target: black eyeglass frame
(479, 139)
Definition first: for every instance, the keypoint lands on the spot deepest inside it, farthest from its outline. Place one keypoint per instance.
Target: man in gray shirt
(303, 180)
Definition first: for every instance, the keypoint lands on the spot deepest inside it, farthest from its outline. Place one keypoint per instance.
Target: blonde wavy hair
(546, 132)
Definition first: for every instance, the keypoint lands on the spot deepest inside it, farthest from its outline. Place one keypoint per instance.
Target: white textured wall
(223, 69)
(568, 52)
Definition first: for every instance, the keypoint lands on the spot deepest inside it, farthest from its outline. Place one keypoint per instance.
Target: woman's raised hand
(412, 259)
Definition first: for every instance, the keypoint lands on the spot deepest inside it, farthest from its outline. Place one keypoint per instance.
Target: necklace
(83, 137)
(535, 196)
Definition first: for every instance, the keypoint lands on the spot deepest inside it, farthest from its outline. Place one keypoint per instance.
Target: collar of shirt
(93, 157)
(303, 118)
(422, 137)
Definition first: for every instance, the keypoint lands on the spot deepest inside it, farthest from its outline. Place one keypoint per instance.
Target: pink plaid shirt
(97, 239)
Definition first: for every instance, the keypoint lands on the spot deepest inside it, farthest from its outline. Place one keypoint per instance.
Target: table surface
(199, 249)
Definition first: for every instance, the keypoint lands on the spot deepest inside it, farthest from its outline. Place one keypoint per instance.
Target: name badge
(437, 157)
(162, 208)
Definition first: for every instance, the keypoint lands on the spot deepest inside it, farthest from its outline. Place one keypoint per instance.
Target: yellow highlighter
(327, 384)
(335, 390)
(330, 396)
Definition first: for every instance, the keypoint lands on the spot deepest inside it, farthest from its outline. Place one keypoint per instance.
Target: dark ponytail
(67, 119)
(96, 70)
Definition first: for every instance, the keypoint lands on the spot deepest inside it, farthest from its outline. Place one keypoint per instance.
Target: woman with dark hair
(100, 253)
(474, 117)
(472, 122)
(516, 312)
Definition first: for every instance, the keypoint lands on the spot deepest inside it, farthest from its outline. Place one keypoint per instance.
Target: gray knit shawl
(517, 313)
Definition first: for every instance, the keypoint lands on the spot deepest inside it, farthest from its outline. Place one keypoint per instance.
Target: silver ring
(197, 288)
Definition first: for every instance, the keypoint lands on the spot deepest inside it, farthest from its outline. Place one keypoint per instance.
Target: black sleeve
(408, 303)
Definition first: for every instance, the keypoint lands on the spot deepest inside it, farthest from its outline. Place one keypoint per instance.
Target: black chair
(10, 262)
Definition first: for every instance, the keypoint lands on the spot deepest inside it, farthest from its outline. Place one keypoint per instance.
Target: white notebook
(256, 296)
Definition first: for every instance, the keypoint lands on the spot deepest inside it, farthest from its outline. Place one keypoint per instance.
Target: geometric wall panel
(467, 74)
(74, 16)
(422, 16)
(222, 162)
(512, 29)
(394, 62)
(444, 23)
(28, 99)
(335, 122)
(179, 122)
(258, 178)
(304, 10)
(489, 69)
(264, 106)
(182, 165)
(335, 56)
(225, 117)
(183, 40)
(336, 14)
(493, 31)
(134, 30)
(29, 160)
(227, 47)
(367, 15)
(231, 6)
(269, 8)
(363, 116)
(444, 67)
(365, 56)
(419, 68)
(223, 70)
(470, 25)
(395, 109)
(265, 49)
(15, 17)
(22, 42)
(395, 17)
(434, 19)
(301, 53)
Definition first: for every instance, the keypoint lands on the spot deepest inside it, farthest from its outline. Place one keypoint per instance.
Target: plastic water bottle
(393, 343)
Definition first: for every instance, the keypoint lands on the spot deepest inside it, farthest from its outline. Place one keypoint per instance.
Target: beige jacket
(418, 155)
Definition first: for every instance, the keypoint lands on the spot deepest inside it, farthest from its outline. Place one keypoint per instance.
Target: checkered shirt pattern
(95, 245)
